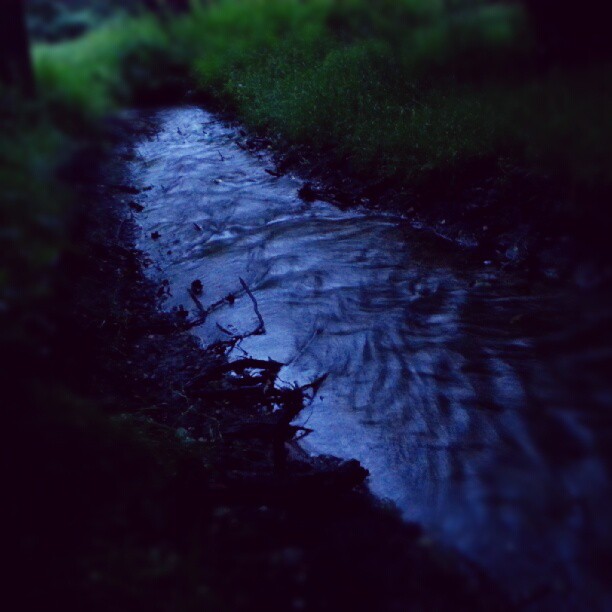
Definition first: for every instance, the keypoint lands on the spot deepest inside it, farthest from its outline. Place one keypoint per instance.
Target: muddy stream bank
(478, 401)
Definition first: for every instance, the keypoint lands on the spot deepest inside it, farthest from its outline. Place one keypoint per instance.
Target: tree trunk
(15, 59)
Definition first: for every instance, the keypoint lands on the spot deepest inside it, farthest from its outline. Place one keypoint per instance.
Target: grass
(86, 75)
(407, 101)
(448, 87)
(78, 82)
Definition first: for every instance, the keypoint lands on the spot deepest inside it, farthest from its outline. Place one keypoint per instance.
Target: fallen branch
(204, 312)
(197, 301)
(261, 329)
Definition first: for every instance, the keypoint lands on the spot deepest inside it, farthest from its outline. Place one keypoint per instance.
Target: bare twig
(261, 329)
(197, 302)
(227, 332)
(304, 432)
(315, 385)
(204, 312)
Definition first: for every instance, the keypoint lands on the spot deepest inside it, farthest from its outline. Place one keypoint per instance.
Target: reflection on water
(479, 404)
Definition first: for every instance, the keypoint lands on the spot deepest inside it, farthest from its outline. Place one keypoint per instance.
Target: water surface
(479, 403)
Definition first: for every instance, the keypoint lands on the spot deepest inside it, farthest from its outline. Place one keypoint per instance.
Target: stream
(480, 403)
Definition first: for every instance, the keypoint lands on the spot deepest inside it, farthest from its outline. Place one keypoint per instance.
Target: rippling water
(480, 404)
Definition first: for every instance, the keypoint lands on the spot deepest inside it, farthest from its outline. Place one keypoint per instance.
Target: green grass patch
(403, 88)
(398, 88)
(88, 75)
(78, 82)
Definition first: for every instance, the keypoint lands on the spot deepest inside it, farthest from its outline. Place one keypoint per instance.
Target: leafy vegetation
(404, 87)
(398, 88)
(92, 75)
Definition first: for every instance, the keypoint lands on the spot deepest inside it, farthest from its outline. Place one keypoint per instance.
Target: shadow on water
(479, 403)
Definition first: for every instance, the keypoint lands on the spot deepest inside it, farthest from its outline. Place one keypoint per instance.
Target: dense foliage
(407, 87)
